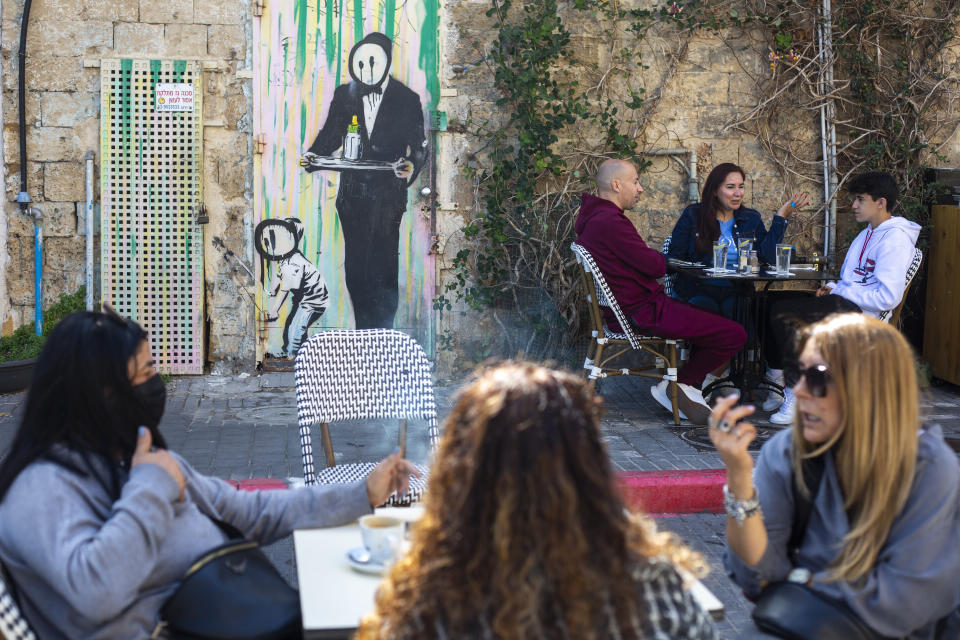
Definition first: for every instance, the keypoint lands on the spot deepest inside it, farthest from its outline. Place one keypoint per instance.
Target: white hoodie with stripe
(874, 272)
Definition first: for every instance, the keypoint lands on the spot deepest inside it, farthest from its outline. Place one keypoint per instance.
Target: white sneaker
(659, 393)
(774, 399)
(693, 405)
(785, 414)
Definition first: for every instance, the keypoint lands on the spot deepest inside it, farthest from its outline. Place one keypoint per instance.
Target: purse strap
(812, 469)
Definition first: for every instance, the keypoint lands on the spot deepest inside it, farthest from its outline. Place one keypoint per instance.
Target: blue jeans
(297, 326)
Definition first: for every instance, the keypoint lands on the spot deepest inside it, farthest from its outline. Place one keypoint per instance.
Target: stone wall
(696, 85)
(66, 41)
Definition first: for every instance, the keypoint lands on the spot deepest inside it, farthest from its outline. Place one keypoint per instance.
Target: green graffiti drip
(303, 124)
(266, 201)
(300, 19)
(389, 17)
(179, 68)
(428, 51)
(357, 20)
(339, 42)
(328, 36)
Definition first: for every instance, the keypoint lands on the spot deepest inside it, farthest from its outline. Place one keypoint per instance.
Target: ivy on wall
(560, 116)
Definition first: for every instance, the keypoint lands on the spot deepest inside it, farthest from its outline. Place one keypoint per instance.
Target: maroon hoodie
(630, 267)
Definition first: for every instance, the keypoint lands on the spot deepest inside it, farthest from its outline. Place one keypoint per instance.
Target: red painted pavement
(655, 492)
(682, 491)
(260, 484)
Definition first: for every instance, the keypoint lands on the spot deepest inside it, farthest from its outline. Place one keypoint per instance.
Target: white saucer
(375, 568)
(720, 271)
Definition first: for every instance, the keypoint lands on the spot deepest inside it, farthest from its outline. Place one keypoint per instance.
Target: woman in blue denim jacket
(721, 214)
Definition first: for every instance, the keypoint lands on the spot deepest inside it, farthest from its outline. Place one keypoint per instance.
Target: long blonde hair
(524, 534)
(875, 449)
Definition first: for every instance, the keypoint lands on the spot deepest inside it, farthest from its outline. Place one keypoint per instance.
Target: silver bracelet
(740, 510)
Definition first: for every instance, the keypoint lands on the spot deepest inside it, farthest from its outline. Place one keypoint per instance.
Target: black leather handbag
(795, 611)
(233, 592)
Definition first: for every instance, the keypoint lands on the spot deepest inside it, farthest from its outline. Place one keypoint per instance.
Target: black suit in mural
(371, 203)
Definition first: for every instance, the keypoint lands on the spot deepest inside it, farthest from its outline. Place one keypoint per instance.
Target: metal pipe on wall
(23, 198)
(38, 268)
(824, 155)
(88, 158)
(828, 131)
(693, 189)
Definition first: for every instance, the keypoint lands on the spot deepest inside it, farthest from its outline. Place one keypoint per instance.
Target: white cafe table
(334, 597)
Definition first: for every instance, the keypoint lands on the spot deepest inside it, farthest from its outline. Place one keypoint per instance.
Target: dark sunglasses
(817, 377)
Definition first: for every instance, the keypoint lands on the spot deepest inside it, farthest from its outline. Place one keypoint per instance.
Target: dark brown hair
(708, 229)
(524, 534)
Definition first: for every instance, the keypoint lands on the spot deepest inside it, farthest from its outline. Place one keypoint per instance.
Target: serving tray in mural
(335, 163)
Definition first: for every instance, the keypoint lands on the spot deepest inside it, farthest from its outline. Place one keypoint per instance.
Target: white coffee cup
(381, 536)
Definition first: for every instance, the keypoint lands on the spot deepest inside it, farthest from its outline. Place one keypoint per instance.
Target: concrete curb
(654, 492)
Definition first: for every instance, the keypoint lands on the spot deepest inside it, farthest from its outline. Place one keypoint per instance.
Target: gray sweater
(88, 567)
(916, 578)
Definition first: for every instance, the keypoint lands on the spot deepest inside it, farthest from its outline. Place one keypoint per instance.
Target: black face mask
(152, 395)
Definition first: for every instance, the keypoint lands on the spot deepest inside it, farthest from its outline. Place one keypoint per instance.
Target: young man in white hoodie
(872, 280)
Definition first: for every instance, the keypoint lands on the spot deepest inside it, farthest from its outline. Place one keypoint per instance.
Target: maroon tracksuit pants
(713, 339)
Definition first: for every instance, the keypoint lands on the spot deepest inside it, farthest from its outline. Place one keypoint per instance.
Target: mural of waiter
(374, 120)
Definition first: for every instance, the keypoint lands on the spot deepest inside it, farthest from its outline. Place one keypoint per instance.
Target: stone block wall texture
(700, 85)
(66, 40)
(695, 87)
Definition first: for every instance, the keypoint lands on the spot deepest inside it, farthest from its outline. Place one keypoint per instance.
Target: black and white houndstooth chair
(596, 364)
(357, 375)
(892, 316)
(670, 278)
(13, 626)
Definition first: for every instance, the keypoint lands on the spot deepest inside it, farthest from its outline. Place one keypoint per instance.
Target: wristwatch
(740, 510)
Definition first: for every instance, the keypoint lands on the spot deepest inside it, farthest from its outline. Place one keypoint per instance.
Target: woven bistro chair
(597, 362)
(892, 316)
(670, 278)
(13, 626)
(358, 375)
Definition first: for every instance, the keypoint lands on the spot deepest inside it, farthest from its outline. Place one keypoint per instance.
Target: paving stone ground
(240, 427)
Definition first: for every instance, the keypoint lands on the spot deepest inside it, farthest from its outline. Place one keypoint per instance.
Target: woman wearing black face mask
(98, 521)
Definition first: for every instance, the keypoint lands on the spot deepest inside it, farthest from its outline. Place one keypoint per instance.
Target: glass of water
(720, 255)
(783, 259)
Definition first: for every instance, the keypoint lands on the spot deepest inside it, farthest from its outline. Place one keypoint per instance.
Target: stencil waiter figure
(371, 203)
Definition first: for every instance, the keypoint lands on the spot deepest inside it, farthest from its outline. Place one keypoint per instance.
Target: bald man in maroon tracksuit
(631, 268)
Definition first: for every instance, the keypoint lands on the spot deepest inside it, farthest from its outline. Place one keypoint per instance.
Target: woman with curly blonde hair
(877, 537)
(524, 534)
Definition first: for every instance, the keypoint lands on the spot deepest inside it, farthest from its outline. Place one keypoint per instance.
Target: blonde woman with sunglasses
(883, 524)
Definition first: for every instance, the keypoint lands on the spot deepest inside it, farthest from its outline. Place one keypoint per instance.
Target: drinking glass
(720, 255)
(783, 259)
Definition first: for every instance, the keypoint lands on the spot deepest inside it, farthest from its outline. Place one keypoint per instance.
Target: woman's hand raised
(732, 438)
(790, 207)
(392, 474)
(145, 454)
